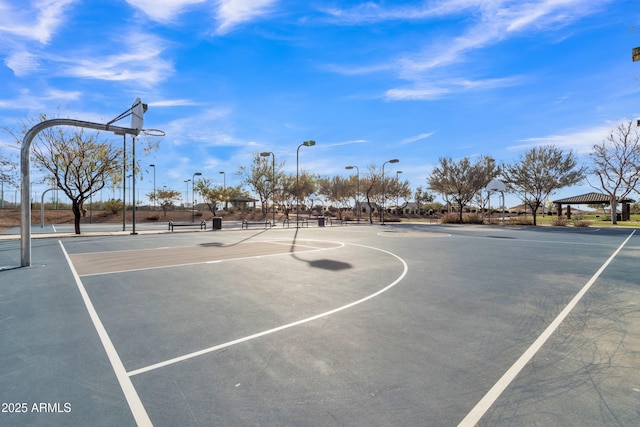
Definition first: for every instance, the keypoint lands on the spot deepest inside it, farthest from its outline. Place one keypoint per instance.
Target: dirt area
(10, 218)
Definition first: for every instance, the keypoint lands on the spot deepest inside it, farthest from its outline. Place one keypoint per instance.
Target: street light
(224, 187)
(186, 193)
(193, 199)
(154, 185)
(357, 188)
(224, 180)
(309, 143)
(384, 200)
(397, 189)
(273, 184)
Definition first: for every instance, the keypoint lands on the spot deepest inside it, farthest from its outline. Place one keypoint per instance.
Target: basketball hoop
(153, 132)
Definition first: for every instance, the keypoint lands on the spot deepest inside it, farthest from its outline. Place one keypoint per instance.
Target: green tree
(338, 190)
(616, 164)
(462, 180)
(165, 198)
(214, 194)
(540, 172)
(420, 196)
(259, 178)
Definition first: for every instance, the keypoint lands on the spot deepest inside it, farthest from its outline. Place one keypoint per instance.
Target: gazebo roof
(589, 198)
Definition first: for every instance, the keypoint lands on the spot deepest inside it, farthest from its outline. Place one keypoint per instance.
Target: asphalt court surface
(403, 324)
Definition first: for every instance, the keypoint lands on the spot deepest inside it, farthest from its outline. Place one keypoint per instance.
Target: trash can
(217, 223)
(320, 221)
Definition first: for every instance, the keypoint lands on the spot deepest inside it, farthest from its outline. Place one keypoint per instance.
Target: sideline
(283, 327)
(135, 404)
(492, 395)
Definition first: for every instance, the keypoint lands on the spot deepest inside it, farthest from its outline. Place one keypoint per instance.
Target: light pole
(357, 188)
(384, 200)
(186, 193)
(397, 189)
(273, 183)
(309, 143)
(154, 185)
(193, 199)
(224, 188)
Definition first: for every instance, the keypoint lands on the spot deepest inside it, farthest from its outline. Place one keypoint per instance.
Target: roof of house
(590, 198)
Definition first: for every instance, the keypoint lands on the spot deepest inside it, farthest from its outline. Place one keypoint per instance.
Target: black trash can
(217, 223)
(320, 221)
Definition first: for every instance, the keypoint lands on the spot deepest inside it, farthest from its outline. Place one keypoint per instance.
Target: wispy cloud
(231, 13)
(164, 10)
(416, 138)
(33, 20)
(143, 63)
(490, 22)
(581, 141)
(338, 144)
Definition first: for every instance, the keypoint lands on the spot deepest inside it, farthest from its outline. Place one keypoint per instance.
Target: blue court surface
(395, 325)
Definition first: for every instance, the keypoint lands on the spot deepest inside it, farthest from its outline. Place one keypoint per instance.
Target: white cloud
(143, 64)
(163, 10)
(490, 22)
(416, 138)
(231, 13)
(22, 63)
(35, 20)
(581, 141)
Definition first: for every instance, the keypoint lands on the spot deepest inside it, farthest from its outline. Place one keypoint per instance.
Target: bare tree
(540, 172)
(7, 175)
(616, 163)
(462, 180)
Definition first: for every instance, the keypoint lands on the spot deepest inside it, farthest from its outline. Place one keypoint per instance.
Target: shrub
(154, 217)
(519, 220)
(581, 223)
(559, 221)
(450, 218)
(454, 218)
(473, 218)
(113, 206)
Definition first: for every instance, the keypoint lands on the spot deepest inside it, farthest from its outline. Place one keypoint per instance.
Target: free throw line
(492, 395)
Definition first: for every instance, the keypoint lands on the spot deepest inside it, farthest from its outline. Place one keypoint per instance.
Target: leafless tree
(616, 164)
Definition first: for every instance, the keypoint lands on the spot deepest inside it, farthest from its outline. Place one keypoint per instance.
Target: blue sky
(367, 80)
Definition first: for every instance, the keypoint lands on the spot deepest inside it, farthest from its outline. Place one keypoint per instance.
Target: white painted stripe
(54, 228)
(315, 249)
(279, 328)
(135, 404)
(492, 395)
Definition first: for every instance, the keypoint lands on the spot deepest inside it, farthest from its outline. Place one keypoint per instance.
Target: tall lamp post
(193, 199)
(186, 193)
(154, 185)
(384, 200)
(273, 183)
(357, 188)
(309, 143)
(397, 189)
(224, 188)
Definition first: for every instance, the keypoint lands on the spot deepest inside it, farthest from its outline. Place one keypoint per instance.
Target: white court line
(492, 395)
(135, 404)
(316, 249)
(279, 328)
